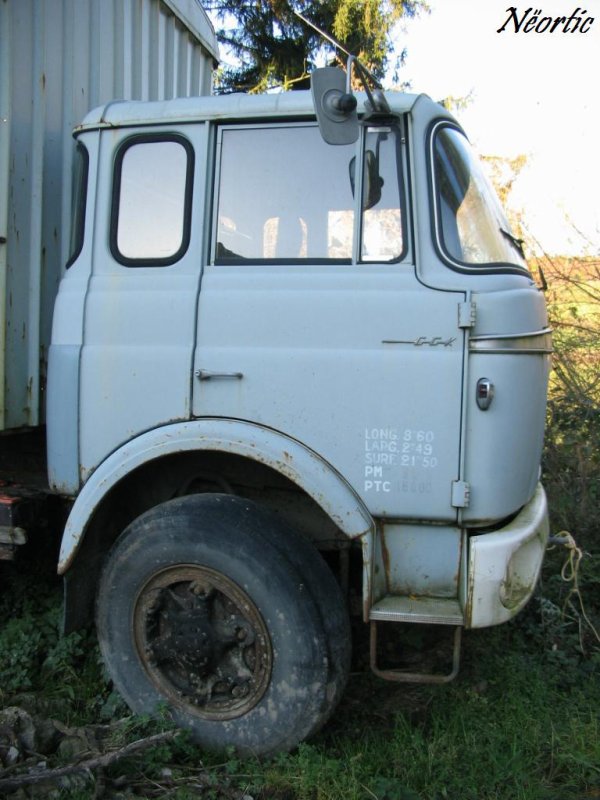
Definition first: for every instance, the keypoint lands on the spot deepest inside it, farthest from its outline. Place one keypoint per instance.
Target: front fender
(292, 459)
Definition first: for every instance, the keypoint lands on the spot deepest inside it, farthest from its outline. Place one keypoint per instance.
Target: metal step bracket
(400, 676)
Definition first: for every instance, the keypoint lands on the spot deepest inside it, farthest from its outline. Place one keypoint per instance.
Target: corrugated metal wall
(59, 59)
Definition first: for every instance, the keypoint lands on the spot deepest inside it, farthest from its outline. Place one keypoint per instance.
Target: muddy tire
(331, 606)
(200, 610)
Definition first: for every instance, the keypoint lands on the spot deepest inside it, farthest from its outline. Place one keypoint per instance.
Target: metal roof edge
(234, 106)
(194, 17)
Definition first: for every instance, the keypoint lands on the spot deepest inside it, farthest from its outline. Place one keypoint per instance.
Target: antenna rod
(329, 38)
(361, 67)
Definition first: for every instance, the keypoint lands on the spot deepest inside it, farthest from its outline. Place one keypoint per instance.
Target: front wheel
(199, 609)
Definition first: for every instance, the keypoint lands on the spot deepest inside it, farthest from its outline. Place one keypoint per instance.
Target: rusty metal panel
(421, 559)
(59, 59)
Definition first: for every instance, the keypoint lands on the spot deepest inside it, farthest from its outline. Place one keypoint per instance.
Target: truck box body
(58, 59)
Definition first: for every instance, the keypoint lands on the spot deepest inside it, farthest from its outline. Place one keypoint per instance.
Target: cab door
(140, 308)
(311, 320)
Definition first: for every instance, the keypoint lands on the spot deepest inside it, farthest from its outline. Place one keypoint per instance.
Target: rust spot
(514, 590)
(468, 610)
(367, 555)
(385, 555)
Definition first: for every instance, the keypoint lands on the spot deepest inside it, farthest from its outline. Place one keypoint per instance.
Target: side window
(382, 238)
(283, 194)
(152, 198)
(78, 202)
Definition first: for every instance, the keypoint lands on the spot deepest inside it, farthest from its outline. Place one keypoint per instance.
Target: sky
(532, 93)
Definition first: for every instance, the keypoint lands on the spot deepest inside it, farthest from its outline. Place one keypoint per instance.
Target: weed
(520, 723)
(60, 673)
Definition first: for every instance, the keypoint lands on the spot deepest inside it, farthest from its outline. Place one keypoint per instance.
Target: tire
(326, 592)
(200, 610)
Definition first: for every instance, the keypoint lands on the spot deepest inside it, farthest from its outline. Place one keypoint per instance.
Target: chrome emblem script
(423, 341)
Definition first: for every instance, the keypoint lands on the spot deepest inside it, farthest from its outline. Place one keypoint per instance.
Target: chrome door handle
(207, 375)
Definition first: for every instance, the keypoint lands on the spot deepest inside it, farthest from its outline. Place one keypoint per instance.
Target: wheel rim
(202, 642)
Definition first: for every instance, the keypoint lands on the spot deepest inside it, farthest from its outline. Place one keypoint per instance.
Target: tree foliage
(272, 46)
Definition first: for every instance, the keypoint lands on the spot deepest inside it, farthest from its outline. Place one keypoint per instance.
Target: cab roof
(125, 113)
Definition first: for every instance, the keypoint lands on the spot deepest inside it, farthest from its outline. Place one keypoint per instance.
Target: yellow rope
(570, 574)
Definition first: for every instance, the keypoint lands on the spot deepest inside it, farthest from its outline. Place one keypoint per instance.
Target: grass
(520, 723)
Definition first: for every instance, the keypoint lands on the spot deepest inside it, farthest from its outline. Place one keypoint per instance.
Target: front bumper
(503, 566)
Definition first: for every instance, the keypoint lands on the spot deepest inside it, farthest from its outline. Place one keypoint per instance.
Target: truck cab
(271, 355)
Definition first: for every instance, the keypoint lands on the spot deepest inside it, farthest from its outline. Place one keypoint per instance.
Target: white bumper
(503, 566)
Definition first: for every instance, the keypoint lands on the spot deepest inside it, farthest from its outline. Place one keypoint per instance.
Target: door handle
(207, 375)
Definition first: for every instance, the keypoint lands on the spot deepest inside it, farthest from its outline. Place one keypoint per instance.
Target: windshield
(471, 227)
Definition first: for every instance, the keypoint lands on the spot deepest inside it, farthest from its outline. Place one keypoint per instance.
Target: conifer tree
(272, 46)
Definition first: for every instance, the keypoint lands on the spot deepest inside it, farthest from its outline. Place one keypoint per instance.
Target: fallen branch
(105, 760)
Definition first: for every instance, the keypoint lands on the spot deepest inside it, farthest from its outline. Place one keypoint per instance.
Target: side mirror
(372, 180)
(335, 106)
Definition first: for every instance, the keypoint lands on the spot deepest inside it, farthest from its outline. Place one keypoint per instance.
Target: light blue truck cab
(268, 349)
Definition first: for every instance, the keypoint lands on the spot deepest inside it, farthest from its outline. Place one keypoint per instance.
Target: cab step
(426, 610)
(404, 676)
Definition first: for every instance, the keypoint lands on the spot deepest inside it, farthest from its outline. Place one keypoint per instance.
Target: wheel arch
(95, 506)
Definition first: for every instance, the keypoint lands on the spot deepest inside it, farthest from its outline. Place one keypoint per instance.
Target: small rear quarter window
(78, 202)
(151, 206)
